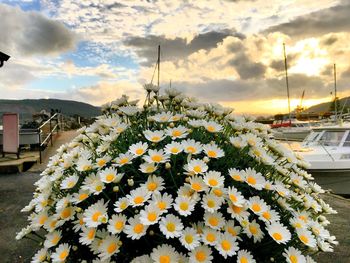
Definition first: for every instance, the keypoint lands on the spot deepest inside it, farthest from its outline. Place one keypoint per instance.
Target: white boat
(327, 149)
(297, 131)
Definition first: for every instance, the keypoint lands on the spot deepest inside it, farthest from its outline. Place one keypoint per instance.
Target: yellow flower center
(176, 133)
(201, 256)
(196, 186)
(233, 198)
(174, 150)
(212, 154)
(139, 151)
(63, 254)
(266, 215)
(170, 227)
(243, 260)
(253, 229)
(157, 158)
(101, 162)
(161, 205)
(91, 234)
(217, 192)
(277, 236)
(112, 247)
(213, 182)
(138, 228)
(164, 259)
(211, 237)
(138, 200)
(213, 221)
(189, 239)
(152, 216)
(150, 169)
(152, 186)
(42, 219)
(83, 196)
(211, 203)
(96, 215)
(232, 231)
(211, 128)
(197, 169)
(293, 259)
(87, 167)
(123, 205)
(251, 180)
(110, 177)
(184, 206)
(304, 239)
(236, 177)
(155, 138)
(236, 209)
(226, 245)
(191, 149)
(71, 184)
(256, 207)
(55, 240)
(119, 225)
(65, 213)
(124, 160)
(98, 188)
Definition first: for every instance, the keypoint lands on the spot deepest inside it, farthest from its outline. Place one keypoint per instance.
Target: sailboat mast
(158, 62)
(287, 84)
(335, 92)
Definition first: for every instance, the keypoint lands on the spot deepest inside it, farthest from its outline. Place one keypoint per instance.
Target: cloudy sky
(227, 51)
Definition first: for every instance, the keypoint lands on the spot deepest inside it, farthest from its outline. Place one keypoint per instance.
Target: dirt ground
(16, 191)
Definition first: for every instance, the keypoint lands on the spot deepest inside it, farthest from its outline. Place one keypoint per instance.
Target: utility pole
(286, 70)
(158, 62)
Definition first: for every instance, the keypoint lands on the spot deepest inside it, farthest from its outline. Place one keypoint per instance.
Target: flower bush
(176, 181)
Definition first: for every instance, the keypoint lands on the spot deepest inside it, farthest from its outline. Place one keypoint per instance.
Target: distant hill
(29, 106)
(324, 107)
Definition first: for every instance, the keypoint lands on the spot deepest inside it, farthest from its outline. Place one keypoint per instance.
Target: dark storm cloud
(329, 40)
(246, 68)
(174, 49)
(236, 90)
(333, 19)
(31, 33)
(278, 65)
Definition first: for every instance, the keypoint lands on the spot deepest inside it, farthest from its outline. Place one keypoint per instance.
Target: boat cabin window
(347, 141)
(332, 138)
(311, 138)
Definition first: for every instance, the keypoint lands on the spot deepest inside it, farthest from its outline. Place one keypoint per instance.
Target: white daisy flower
(164, 253)
(122, 204)
(61, 253)
(163, 202)
(252, 140)
(64, 202)
(212, 126)
(80, 196)
(148, 168)
(171, 226)
(134, 228)
(129, 110)
(298, 223)
(227, 245)
(306, 237)
(124, 158)
(236, 197)
(195, 123)
(176, 117)
(78, 223)
(138, 149)
(101, 162)
(237, 212)
(238, 142)
(66, 213)
(162, 117)
(293, 255)
(150, 215)
(110, 175)
(173, 148)
(40, 256)
(211, 203)
(93, 184)
(213, 179)
(116, 224)
(191, 146)
(52, 239)
(244, 256)
(213, 151)
(156, 156)
(196, 166)
(214, 220)
(253, 230)
(190, 238)
(254, 179)
(69, 182)
(257, 205)
(142, 259)
(232, 229)
(197, 184)
(184, 205)
(201, 254)
(279, 233)
(84, 165)
(138, 196)
(109, 246)
(154, 136)
(269, 215)
(210, 236)
(237, 175)
(178, 132)
(154, 184)
(87, 235)
(96, 214)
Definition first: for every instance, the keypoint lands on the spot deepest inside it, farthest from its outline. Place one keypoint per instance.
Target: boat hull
(338, 181)
(290, 136)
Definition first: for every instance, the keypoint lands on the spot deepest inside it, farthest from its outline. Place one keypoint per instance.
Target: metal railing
(55, 123)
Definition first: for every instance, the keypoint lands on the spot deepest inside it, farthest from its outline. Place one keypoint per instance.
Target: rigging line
(154, 71)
